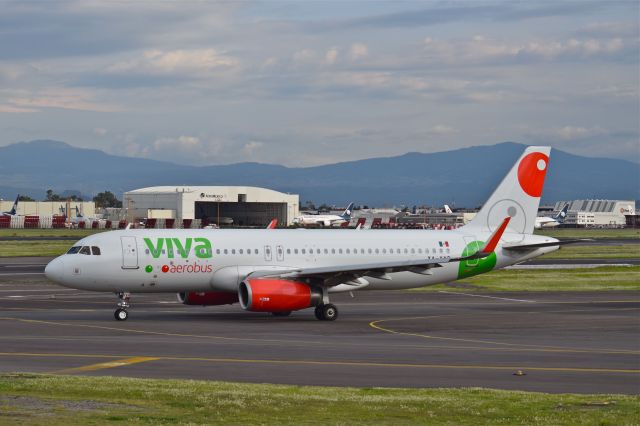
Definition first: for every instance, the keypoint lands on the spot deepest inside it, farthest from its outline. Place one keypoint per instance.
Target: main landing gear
(327, 312)
(121, 313)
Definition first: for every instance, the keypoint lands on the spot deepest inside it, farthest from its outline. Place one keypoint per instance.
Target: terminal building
(220, 205)
(597, 213)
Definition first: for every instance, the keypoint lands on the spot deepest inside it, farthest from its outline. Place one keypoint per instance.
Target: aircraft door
(473, 247)
(268, 256)
(279, 254)
(129, 253)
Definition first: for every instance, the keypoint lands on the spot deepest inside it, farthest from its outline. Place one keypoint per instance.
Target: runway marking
(523, 346)
(13, 274)
(39, 289)
(337, 363)
(104, 365)
(488, 297)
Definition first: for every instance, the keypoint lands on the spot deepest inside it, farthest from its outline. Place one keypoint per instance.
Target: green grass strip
(75, 400)
(606, 278)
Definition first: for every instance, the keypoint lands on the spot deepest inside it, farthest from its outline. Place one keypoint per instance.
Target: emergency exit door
(129, 253)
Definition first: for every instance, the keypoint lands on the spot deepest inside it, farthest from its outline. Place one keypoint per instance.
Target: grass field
(622, 251)
(34, 248)
(48, 232)
(593, 279)
(71, 400)
(590, 233)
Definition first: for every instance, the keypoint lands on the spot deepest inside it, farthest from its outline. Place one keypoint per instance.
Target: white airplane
(551, 222)
(14, 208)
(447, 209)
(280, 270)
(324, 219)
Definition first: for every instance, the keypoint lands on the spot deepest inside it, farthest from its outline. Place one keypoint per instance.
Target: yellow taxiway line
(121, 361)
(108, 364)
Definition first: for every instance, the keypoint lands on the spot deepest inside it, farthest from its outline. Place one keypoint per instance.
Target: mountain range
(465, 176)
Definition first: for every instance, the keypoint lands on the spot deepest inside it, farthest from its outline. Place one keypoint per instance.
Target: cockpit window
(85, 250)
(95, 250)
(74, 250)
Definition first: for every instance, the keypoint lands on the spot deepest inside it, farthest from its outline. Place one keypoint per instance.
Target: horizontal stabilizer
(525, 247)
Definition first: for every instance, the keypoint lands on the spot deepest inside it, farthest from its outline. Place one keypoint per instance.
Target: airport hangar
(246, 205)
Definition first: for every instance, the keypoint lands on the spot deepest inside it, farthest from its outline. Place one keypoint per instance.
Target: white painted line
(22, 265)
(567, 266)
(16, 290)
(488, 297)
(13, 274)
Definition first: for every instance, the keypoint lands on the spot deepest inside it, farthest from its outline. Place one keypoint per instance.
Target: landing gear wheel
(281, 314)
(329, 312)
(318, 312)
(121, 314)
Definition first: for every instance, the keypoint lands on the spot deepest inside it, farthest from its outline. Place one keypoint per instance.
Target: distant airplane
(447, 209)
(272, 224)
(14, 209)
(285, 270)
(550, 222)
(325, 219)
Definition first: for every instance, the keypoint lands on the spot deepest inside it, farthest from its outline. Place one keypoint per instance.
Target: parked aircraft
(447, 209)
(14, 208)
(325, 219)
(281, 271)
(551, 222)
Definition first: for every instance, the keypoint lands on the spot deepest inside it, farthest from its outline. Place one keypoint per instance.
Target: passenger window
(361, 251)
(255, 251)
(295, 251)
(326, 251)
(377, 251)
(333, 251)
(413, 251)
(74, 250)
(317, 251)
(225, 251)
(370, 251)
(348, 251)
(233, 251)
(304, 251)
(146, 251)
(419, 250)
(288, 251)
(406, 251)
(340, 251)
(85, 250)
(95, 250)
(240, 251)
(217, 251)
(384, 251)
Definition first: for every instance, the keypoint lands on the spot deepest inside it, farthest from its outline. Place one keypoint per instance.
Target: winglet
(491, 244)
(272, 224)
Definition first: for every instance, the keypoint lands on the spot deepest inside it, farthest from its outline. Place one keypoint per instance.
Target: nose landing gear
(327, 312)
(121, 313)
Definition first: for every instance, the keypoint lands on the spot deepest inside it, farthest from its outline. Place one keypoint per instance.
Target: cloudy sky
(306, 83)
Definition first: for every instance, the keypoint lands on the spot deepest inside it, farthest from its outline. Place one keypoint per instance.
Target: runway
(562, 342)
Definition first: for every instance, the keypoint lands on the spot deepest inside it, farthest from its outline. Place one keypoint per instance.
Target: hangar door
(243, 214)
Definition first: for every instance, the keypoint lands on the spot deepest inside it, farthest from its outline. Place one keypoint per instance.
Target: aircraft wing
(334, 275)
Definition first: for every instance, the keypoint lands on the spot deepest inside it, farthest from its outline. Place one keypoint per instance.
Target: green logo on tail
(469, 268)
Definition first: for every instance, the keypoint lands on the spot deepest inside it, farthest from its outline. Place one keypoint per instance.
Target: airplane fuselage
(180, 260)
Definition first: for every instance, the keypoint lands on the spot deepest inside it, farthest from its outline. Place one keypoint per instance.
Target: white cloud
(250, 148)
(100, 131)
(58, 97)
(331, 56)
(182, 61)
(180, 143)
(358, 51)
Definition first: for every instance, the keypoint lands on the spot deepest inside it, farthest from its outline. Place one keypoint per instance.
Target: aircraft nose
(55, 270)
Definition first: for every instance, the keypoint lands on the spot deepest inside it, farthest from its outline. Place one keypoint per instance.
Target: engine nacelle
(273, 295)
(209, 298)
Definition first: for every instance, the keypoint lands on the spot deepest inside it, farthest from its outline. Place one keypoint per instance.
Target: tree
(107, 199)
(25, 198)
(52, 197)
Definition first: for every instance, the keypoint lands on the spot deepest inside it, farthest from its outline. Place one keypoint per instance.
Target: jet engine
(208, 298)
(274, 295)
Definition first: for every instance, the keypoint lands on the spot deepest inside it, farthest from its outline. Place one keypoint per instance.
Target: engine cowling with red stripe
(275, 295)
(209, 298)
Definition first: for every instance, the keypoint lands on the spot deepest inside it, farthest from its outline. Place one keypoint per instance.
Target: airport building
(220, 205)
(597, 213)
(50, 208)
